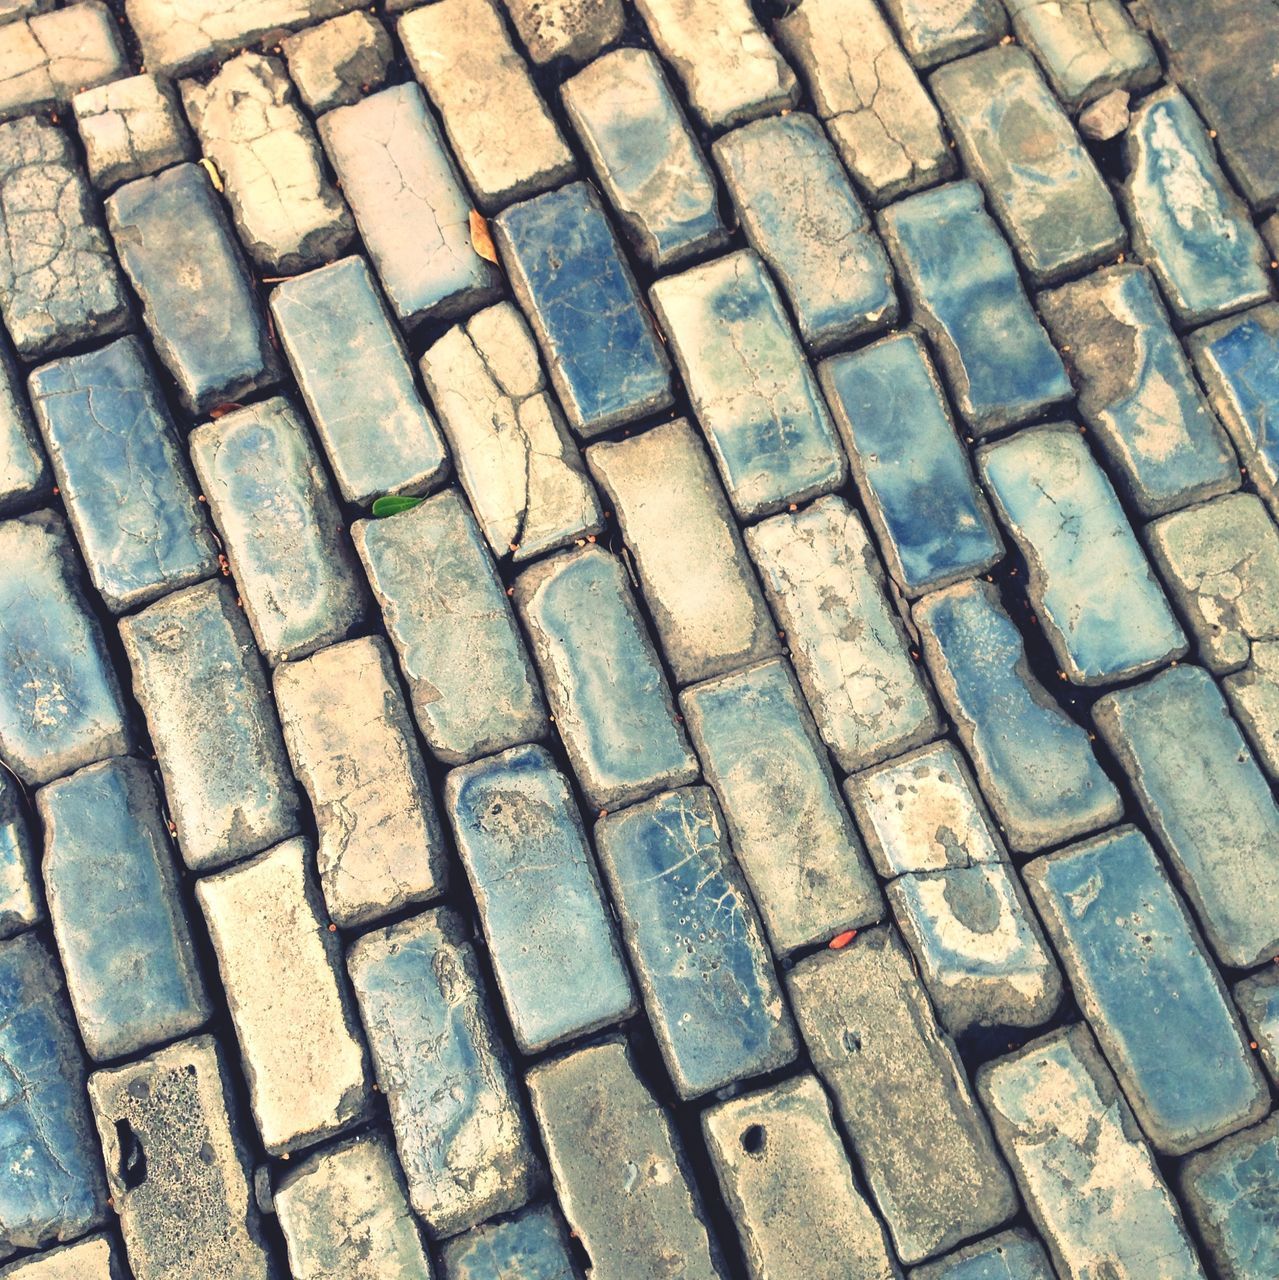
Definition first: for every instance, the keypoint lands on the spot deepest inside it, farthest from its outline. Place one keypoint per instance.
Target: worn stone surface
(93, 1258)
(1106, 118)
(353, 749)
(20, 897)
(1258, 1000)
(514, 456)
(550, 936)
(849, 648)
(1011, 1255)
(25, 477)
(572, 30)
(532, 1245)
(130, 128)
(338, 62)
(46, 58)
(1254, 699)
(934, 31)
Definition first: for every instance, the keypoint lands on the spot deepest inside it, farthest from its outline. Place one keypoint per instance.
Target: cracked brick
(46, 58)
(131, 128)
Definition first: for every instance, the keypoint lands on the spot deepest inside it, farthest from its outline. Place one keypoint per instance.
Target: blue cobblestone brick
(1011, 1255)
(533, 1245)
(25, 475)
(1258, 1001)
(934, 31)
(20, 902)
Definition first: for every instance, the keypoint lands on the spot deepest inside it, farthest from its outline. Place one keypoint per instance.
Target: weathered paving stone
(130, 128)
(53, 1188)
(934, 31)
(533, 1245)
(790, 832)
(46, 58)
(568, 273)
(287, 212)
(883, 123)
(1144, 982)
(1106, 118)
(58, 282)
(1220, 561)
(800, 215)
(338, 62)
(61, 707)
(754, 395)
(514, 456)
(1043, 186)
(459, 1125)
(116, 910)
(729, 68)
(93, 1258)
(554, 949)
(572, 30)
(648, 164)
(357, 383)
(849, 648)
(353, 748)
(619, 1168)
(198, 302)
(1090, 584)
(1207, 803)
(913, 474)
(470, 681)
(345, 1213)
(122, 474)
(789, 1189)
(695, 941)
(409, 205)
(1035, 765)
(497, 124)
(1187, 224)
(1163, 445)
(604, 682)
(1090, 1182)
(1258, 1000)
(1254, 699)
(20, 898)
(279, 965)
(900, 1091)
(968, 298)
(25, 477)
(1011, 1255)
(178, 1167)
(198, 677)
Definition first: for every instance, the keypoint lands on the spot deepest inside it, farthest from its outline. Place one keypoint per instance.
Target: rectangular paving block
(353, 749)
(574, 30)
(357, 383)
(695, 941)
(93, 1258)
(551, 939)
(1091, 1185)
(61, 706)
(751, 388)
(968, 298)
(619, 1167)
(849, 647)
(1253, 693)
(1011, 1255)
(800, 215)
(339, 61)
(531, 1245)
(922, 1143)
(460, 1128)
(25, 476)
(790, 832)
(568, 273)
(1043, 186)
(515, 459)
(789, 1189)
(199, 680)
(53, 1188)
(604, 682)
(470, 681)
(645, 158)
(130, 128)
(122, 474)
(913, 475)
(21, 903)
(198, 301)
(1206, 801)
(1257, 998)
(117, 911)
(270, 498)
(1163, 446)
(409, 205)
(934, 31)
(47, 57)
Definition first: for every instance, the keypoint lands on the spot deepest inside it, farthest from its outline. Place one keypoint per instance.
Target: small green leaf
(391, 504)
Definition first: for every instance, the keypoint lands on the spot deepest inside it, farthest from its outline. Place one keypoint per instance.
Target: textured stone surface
(93, 1258)
(25, 477)
(20, 897)
(572, 30)
(1106, 118)
(130, 128)
(1011, 1255)
(934, 31)
(1254, 699)
(46, 58)
(1258, 1000)
(532, 1245)
(338, 62)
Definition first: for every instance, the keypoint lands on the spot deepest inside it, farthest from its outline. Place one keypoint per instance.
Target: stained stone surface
(1253, 693)
(1258, 1000)
(20, 897)
(93, 1258)
(338, 62)
(1011, 1255)
(47, 57)
(572, 30)
(532, 1245)
(130, 128)
(25, 478)
(934, 31)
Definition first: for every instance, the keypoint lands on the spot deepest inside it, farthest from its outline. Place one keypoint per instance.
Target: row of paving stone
(713, 884)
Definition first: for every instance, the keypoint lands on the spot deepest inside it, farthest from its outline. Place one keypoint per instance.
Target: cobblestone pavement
(639, 642)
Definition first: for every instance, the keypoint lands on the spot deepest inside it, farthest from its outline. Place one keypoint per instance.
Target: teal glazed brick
(532, 1245)
(60, 702)
(1207, 802)
(25, 477)
(116, 910)
(357, 383)
(20, 901)
(122, 474)
(1092, 588)
(604, 681)
(750, 386)
(198, 301)
(696, 943)
(1258, 1000)
(1187, 224)
(1035, 765)
(1011, 1255)
(794, 202)
(968, 298)
(554, 949)
(53, 1187)
(1144, 982)
(914, 477)
(605, 361)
